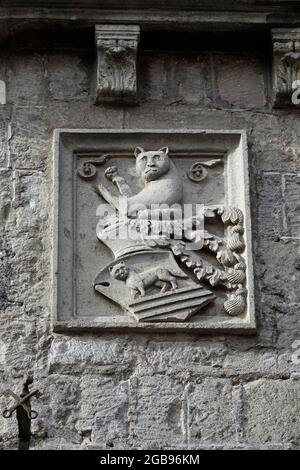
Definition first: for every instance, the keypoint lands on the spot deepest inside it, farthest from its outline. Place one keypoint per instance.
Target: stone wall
(147, 391)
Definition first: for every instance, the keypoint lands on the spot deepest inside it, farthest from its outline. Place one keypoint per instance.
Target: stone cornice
(229, 5)
(153, 14)
(251, 16)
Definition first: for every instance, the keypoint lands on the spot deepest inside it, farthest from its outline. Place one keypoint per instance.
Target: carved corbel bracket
(117, 47)
(286, 65)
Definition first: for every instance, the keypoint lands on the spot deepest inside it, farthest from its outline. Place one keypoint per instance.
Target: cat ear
(138, 151)
(164, 150)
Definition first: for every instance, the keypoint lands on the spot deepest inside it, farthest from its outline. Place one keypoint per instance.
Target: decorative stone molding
(286, 65)
(117, 47)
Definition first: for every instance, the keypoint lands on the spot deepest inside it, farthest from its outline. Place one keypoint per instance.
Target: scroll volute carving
(117, 47)
(286, 65)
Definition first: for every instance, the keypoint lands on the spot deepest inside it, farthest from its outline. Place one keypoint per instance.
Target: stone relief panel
(153, 231)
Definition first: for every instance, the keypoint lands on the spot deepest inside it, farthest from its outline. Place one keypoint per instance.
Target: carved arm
(112, 175)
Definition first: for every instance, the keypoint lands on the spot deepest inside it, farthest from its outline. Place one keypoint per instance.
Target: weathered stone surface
(250, 363)
(287, 319)
(103, 416)
(58, 418)
(291, 191)
(26, 79)
(176, 116)
(67, 77)
(271, 209)
(31, 211)
(275, 281)
(240, 82)
(184, 356)
(272, 412)
(4, 158)
(30, 141)
(81, 114)
(164, 78)
(5, 271)
(273, 140)
(278, 206)
(211, 412)
(156, 415)
(89, 354)
(5, 196)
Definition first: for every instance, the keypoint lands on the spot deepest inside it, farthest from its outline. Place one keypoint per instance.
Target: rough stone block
(270, 209)
(103, 413)
(5, 271)
(108, 355)
(80, 114)
(240, 81)
(267, 322)
(59, 407)
(30, 203)
(175, 79)
(278, 276)
(29, 267)
(20, 348)
(289, 359)
(211, 412)
(250, 362)
(5, 196)
(30, 141)
(288, 324)
(26, 79)
(273, 140)
(184, 356)
(176, 116)
(291, 191)
(3, 143)
(153, 77)
(5, 134)
(68, 77)
(157, 413)
(187, 80)
(272, 412)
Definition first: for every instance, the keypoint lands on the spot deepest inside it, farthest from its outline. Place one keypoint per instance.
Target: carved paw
(111, 172)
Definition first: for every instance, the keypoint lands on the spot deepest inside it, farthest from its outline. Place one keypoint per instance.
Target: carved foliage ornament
(116, 63)
(286, 65)
(155, 275)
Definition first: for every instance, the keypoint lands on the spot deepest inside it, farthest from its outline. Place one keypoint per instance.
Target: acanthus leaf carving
(286, 65)
(117, 47)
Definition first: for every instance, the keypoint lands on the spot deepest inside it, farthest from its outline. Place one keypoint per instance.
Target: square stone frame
(66, 142)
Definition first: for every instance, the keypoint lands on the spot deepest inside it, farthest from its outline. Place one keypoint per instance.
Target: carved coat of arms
(168, 263)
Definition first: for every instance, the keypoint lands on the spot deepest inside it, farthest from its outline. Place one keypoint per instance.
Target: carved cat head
(119, 271)
(151, 165)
